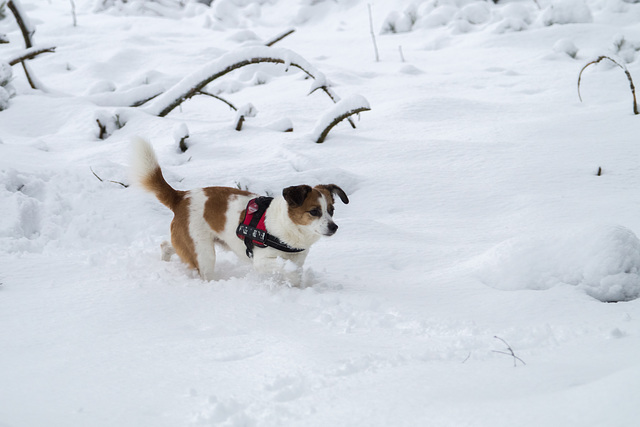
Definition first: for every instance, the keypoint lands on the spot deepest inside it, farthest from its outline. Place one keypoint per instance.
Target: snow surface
(476, 212)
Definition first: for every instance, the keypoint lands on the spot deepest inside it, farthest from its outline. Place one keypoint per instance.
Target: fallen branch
(626, 71)
(30, 53)
(279, 37)
(345, 108)
(102, 180)
(195, 82)
(510, 353)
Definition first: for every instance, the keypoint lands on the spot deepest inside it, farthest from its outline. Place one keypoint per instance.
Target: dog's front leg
(285, 269)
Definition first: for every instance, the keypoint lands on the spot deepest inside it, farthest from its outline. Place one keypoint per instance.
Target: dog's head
(312, 208)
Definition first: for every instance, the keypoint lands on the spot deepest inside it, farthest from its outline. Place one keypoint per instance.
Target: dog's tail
(146, 171)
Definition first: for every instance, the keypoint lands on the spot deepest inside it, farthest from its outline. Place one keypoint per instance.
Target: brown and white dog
(208, 216)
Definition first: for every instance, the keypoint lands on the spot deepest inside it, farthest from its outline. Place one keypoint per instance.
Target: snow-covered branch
(23, 21)
(27, 30)
(347, 107)
(196, 81)
(29, 53)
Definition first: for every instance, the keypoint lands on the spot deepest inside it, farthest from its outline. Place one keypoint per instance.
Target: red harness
(253, 230)
(252, 226)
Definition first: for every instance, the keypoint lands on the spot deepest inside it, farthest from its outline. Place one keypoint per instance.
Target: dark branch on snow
(626, 71)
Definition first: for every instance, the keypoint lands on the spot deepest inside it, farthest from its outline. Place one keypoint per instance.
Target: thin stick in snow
(233, 107)
(102, 180)
(373, 35)
(626, 71)
(510, 353)
(73, 13)
(347, 107)
(247, 110)
(279, 37)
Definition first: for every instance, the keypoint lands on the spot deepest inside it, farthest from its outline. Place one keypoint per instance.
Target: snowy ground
(477, 219)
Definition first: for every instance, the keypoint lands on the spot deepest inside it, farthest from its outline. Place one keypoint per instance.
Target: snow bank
(603, 261)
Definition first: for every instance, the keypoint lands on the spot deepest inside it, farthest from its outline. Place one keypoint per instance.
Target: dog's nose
(333, 227)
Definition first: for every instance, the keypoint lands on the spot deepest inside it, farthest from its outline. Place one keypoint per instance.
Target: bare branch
(202, 92)
(626, 71)
(279, 37)
(102, 180)
(510, 353)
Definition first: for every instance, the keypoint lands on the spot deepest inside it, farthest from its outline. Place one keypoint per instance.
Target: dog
(274, 233)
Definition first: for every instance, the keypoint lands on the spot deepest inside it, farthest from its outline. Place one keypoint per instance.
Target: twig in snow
(373, 35)
(102, 134)
(102, 180)
(626, 71)
(233, 107)
(279, 37)
(510, 353)
(73, 13)
(599, 171)
(180, 135)
(245, 111)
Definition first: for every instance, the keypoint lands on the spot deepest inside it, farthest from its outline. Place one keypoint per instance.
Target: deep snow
(476, 212)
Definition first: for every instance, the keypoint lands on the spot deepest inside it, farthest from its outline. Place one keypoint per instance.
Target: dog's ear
(334, 189)
(296, 195)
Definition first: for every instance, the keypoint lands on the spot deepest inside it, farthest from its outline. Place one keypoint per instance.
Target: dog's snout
(333, 227)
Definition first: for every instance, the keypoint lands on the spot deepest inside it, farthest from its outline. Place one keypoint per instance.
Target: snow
(477, 218)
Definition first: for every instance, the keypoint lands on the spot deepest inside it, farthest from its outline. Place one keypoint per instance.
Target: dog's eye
(330, 210)
(315, 212)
